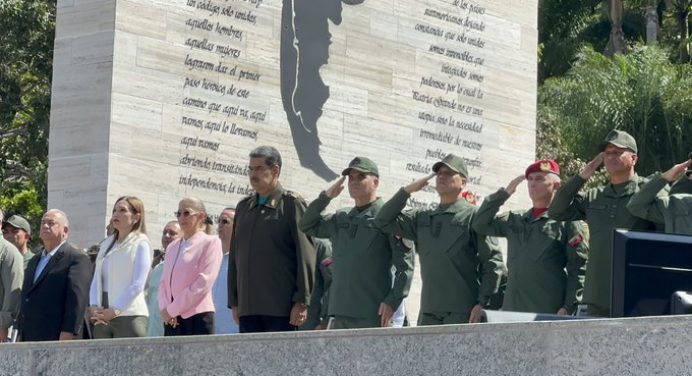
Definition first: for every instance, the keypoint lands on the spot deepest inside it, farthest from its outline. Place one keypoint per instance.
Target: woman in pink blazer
(189, 271)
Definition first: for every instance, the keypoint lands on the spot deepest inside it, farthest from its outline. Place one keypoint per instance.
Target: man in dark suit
(56, 286)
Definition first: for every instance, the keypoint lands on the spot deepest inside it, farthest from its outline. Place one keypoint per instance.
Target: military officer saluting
(604, 209)
(673, 209)
(451, 252)
(546, 258)
(362, 292)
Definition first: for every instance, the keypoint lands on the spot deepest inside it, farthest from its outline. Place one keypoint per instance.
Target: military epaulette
(293, 194)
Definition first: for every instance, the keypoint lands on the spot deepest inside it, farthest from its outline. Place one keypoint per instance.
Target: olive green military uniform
(363, 260)
(673, 209)
(546, 258)
(604, 209)
(451, 255)
(273, 263)
(319, 299)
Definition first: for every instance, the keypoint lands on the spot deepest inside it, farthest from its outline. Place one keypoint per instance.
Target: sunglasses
(184, 214)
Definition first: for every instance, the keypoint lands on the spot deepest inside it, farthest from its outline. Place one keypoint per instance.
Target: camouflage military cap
(20, 223)
(362, 164)
(620, 139)
(454, 163)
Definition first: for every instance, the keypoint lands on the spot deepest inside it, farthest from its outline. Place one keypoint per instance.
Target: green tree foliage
(26, 52)
(642, 93)
(565, 26)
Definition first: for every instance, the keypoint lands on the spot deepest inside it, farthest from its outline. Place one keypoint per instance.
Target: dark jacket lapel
(51, 263)
(30, 272)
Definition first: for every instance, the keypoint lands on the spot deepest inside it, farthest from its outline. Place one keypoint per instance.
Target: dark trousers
(199, 324)
(261, 323)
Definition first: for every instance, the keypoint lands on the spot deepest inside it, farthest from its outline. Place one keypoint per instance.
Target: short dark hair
(269, 153)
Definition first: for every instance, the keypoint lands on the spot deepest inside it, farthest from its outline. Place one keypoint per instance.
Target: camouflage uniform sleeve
(485, 221)
(391, 220)
(314, 223)
(305, 255)
(491, 267)
(568, 204)
(402, 262)
(577, 250)
(12, 276)
(651, 201)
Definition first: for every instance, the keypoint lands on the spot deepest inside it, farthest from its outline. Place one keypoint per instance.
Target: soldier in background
(11, 277)
(673, 209)
(546, 258)
(363, 293)
(452, 255)
(17, 231)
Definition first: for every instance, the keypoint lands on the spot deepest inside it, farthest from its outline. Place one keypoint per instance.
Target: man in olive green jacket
(460, 269)
(272, 266)
(545, 257)
(11, 278)
(604, 209)
(673, 209)
(362, 294)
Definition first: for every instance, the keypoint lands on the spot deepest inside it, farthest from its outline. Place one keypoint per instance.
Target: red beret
(544, 165)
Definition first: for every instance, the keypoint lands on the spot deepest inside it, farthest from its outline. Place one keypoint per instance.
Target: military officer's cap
(362, 164)
(454, 163)
(544, 165)
(18, 222)
(619, 138)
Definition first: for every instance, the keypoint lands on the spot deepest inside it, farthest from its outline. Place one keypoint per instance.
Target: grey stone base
(646, 346)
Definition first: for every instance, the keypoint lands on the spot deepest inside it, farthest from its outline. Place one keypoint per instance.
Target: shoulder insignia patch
(576, 240)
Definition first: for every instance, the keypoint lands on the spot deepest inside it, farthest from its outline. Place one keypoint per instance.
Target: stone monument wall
(165, 98)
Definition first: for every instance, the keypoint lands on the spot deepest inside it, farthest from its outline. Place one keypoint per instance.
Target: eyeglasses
(224, 222)
(184, 214)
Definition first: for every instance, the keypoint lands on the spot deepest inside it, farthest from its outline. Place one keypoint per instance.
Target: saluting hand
(512, 186)
(417, 185)
(592, 166)
(336, 188)
(676, 171)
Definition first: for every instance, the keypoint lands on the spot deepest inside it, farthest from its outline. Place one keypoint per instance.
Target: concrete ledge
(642, 346)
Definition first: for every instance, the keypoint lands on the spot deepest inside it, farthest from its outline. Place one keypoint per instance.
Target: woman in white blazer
(116, 297)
